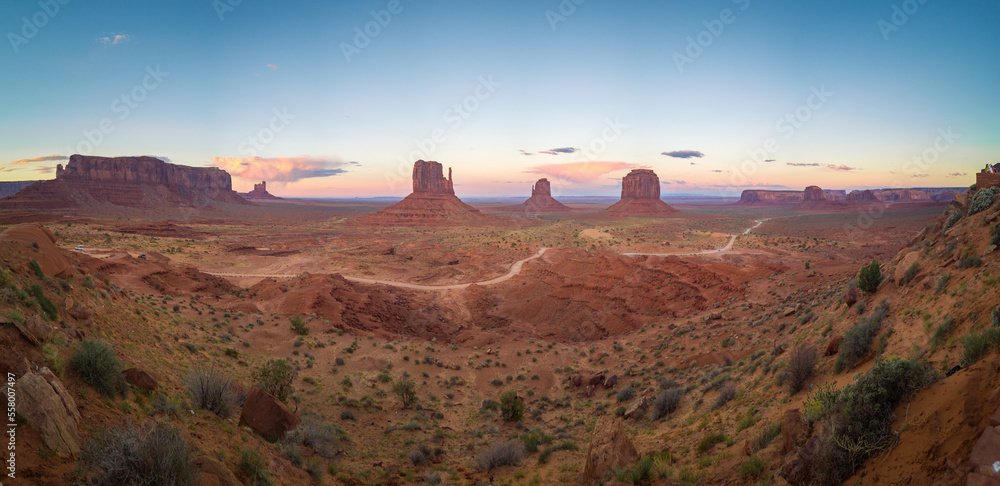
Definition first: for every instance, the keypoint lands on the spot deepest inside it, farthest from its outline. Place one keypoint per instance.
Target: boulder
(266, 415)
(215, 473)
(139, 379)
(611, 381)
(637, 409)
(577, 380)
(793, 429)
(788, 312)
(833, 346)
(852, 296)
(35, 329)
(79, 312)
(595, 379)
(987, 449)
(797, 471)
(904, 264)
(50, 409)
(609, 448)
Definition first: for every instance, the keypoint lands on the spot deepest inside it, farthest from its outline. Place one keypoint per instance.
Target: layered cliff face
(541, 200)
(428, 178)
(762, 198)
(432, 202)
(9, 188)
(861, 196)
(641, 196)
(135, 182)
(902, 195)
(259, 192)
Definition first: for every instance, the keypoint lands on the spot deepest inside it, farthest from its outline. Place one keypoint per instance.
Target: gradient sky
(589, 91)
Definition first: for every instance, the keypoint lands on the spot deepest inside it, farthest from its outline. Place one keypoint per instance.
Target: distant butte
(95, 183)
(641, 196)
(432, 202)
(259, 192)
(541, 200)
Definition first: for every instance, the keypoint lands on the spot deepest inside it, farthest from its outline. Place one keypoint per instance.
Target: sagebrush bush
(726, 394)
(534, 438)
(910, 274)
(276, 377)
(406, 389)
(766, 435)
(95, 361)
(801, 362)
(982, 200)
(252, 469)
(130, 454)
(953, 218)
(626, 394)
(511, 407)
(505, 454)
(976, 344)
(995, 237)
(49, 310)
(324, 439)
(666, 402)
(212, 390)
(858, 339)
(566, 445)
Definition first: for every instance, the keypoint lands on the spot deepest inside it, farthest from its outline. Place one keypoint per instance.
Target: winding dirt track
(514, 269)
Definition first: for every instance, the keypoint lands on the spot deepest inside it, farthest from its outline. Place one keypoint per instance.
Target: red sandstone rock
(39, 243)
(641, 196)
(754, 197)
(259, 192)
(987, 449)
(541, 200)
(834, 346)
(428, 177)
(139, 379)
(813, 193)
(266, 415)
(793, 429)
(609, 448)
(861, 196)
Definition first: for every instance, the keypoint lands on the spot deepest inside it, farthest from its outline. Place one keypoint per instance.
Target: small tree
(406, 388)
(276, 377)
(511, 407)
(870, 277)
(299, 326)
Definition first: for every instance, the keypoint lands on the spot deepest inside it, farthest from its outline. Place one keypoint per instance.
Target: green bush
(978, 344)
(299, 326)
(982, 200)
(942, 331)
(505, 454)
(626, 394)
(276, 377)
(911, 273)
(753, 467)
(49, 309)
(766, 435)
(97, 364)
(640, 473)
(511, 407)
(324, 439)
(870, 277)
(535, 438)
(406, 389)
(566, 445)
(252, 469)
(36, 269)
(212, 391)
(995, 316)
(858, 339)
(127, 454)
(953, 218)
(710, 440)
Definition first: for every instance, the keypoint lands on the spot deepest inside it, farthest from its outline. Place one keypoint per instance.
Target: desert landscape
(368, 270)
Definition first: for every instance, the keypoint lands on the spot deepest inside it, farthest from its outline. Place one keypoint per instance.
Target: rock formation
(610, 448)
(754, 197)
(266, 415)
(861, 196)
(814, 193)
(38, 242)
(433, 202)
(48, 408)
(9, 188)
(259, 192)
(541, 200)
(641, 196)
(902, 195)
(136, 182)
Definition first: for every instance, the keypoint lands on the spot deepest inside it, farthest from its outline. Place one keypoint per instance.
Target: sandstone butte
(541, 200)
(641, 196)
(432, 202)
(259, 192)
(136, 182)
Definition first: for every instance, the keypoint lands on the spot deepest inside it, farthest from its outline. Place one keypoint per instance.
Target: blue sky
(845, 95)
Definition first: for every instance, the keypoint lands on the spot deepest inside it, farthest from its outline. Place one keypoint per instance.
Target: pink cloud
(279, 169)
(581, 171)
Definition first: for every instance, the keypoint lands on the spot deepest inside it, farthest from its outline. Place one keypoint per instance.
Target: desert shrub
(566, 445)
(976, 344)
(710, 440)
(666, 402)
(406, 389)
(347, 415)
(982, 200)
(942, 283)
(942, 331)
(88, 282)
(995, 237)
(626, 394)
(511, 407)
(506, 454)
(766, 435)
(910, 274)
(726, 394)
(801, 362)
(534, 438)
(423, 454)
(858, 339)
(97, 364)
(36, 268)
(870, 276)
(252, 469)
(640, 473)
(163, 404)
(995, 316)
(49, 309)
(276, 377)
(212, 390)
(970, 261)
(292, 453)
(315, 467)
(953, 218)
(128, 454)
(753, 467)
(324, 439)
(860, 422)
(299, 326)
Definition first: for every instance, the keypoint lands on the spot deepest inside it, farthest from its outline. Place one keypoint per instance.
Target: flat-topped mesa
(541, 188)
(428, 177)
(641, 196)
(143, 170)
(762, 197)
(861, 196)
(641, 184)
(814, 194)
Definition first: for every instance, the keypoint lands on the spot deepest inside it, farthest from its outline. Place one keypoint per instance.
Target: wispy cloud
(580, 171)
(114, 39)
(272, 67)
(683, 154)
(797, 164)
(771, 160)
(557, 151)
(842, 168)
(716, 170)
(44, 158)
(44, 170)
(916, 176)
(958, 174)
(524, 152)
(279, 169)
